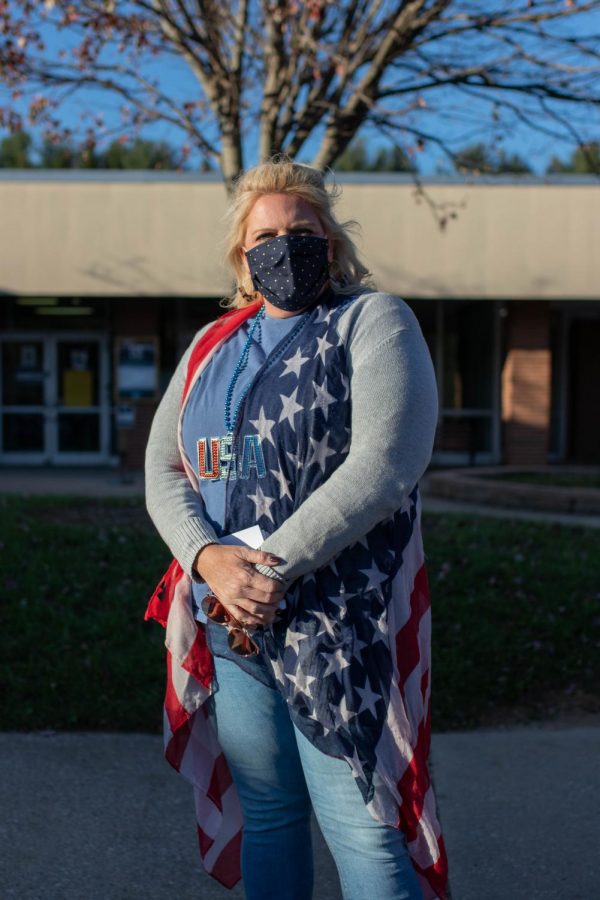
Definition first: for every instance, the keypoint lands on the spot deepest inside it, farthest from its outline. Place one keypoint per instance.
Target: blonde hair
(281, 175)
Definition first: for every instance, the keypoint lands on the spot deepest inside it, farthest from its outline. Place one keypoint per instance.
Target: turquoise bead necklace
(231, 421)
(240, 366)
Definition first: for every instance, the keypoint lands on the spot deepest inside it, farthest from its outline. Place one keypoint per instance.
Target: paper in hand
(247, 537)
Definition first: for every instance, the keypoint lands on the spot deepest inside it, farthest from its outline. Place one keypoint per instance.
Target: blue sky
(462, 120)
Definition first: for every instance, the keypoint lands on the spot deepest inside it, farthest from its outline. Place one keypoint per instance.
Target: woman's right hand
(250, 597)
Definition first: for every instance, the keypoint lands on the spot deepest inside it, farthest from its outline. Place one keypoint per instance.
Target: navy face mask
(289, 271)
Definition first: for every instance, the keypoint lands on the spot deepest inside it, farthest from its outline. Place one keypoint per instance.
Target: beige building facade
(105, 277)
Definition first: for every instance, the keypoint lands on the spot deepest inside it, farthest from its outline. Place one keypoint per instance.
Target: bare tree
(300, 77)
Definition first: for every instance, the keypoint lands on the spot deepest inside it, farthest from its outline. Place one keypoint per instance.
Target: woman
(302, 680)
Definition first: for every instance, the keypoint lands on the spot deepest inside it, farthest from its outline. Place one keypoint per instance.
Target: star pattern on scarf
(323, 399)
(289, 408)
(302, 682)
(264, 426)
(294, 364)
(330, 652)
(282, 481)
(336, 663)
(374, 578)
(320, 451)
(368, 699)
(323, 346)
(294, 458)
(262, 503)
(293, 638)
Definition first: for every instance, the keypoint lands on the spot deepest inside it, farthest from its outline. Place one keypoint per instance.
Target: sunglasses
(239, 639)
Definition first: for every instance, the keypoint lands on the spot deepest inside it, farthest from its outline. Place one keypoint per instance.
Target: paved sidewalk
(77, 482)
(519, 811)
(103, 482)
(103, 817)
(441, 505)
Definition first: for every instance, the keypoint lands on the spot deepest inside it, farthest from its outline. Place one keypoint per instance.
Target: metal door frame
(50, 408)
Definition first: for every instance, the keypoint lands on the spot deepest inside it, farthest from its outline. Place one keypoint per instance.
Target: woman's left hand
(251, 597)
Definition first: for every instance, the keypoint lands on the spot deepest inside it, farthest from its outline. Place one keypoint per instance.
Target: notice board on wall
(136, 368)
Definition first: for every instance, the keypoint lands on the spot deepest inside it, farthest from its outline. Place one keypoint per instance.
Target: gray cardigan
(394, 415)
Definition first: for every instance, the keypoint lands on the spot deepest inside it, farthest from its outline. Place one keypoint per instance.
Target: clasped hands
(251, 597)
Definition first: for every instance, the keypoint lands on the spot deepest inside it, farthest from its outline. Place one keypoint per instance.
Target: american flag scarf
(351, 654)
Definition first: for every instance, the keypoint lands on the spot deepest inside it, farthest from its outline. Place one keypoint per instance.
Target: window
(462, 338)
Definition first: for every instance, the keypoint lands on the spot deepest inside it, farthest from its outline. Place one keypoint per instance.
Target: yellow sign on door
(77, 387)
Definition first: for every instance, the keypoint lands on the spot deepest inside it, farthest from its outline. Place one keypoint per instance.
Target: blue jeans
(279, 776)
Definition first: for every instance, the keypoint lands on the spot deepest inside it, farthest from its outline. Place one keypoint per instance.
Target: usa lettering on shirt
(218, 460)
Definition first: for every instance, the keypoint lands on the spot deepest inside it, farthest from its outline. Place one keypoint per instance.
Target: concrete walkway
(112, 483)
(103, 817)
(519, 811)
(442, 505)
(77, 482)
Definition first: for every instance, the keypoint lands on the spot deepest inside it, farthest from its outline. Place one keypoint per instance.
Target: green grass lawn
(514, 609)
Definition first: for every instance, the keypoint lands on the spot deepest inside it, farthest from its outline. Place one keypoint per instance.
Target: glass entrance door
(24, 396)
(55, 400)
(77, 429)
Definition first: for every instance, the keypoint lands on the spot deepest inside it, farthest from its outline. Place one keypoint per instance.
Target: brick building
(105, 276)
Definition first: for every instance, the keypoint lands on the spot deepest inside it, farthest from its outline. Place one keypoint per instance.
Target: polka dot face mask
(289, 271)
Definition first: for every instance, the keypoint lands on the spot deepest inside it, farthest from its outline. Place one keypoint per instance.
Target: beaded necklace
(230, 422)
(240, 366)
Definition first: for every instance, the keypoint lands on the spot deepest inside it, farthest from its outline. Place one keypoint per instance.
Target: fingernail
(274, 559)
